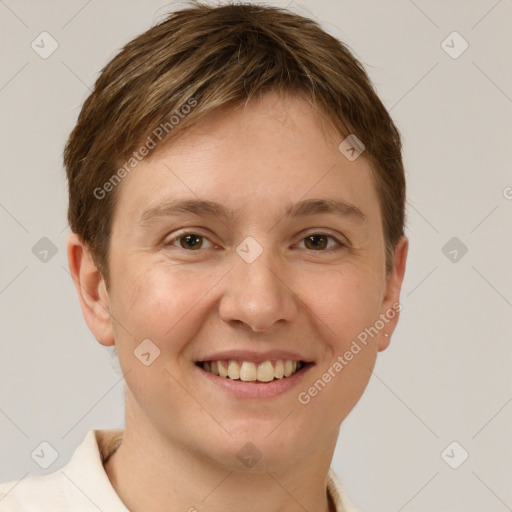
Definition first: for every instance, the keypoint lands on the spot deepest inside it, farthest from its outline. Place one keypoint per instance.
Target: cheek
(162, 305)
(347, 300)
(160, 301)
(344, 303)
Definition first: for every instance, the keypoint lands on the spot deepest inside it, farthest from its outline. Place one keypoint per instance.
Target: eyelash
(340, 244)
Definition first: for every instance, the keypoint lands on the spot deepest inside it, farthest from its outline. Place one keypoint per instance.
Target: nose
(257, 295)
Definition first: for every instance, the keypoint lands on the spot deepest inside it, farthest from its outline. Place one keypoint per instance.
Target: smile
(248, 371)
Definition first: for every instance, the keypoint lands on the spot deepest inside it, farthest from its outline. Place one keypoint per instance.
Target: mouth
(248, 371)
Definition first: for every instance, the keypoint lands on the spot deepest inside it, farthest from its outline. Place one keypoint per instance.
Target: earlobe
(91, 290)
(391, 306)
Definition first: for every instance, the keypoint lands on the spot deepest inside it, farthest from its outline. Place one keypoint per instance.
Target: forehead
(269, 153)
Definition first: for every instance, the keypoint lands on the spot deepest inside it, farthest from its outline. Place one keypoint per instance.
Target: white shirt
(82, 485)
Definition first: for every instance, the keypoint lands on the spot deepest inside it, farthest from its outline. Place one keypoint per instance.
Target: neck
(152, 473)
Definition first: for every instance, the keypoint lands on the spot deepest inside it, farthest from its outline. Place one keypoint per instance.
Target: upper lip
(254, 356)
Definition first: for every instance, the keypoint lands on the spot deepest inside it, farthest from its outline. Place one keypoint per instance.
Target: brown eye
(192, 241)
(320, 242)
(316, 242)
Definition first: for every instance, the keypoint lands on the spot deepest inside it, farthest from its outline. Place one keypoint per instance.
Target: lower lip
(241, 389)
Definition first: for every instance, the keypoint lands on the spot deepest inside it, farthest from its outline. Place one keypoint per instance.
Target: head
(214, 208)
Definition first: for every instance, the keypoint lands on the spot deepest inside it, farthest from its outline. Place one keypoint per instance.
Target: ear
(91, 289)
(391, 306)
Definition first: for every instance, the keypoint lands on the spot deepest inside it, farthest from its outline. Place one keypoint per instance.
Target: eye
(320, 242)
(189, 241)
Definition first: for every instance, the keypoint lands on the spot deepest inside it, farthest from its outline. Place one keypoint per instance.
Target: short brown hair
(210, 58)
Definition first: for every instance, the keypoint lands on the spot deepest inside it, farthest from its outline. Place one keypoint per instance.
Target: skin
(182, 433)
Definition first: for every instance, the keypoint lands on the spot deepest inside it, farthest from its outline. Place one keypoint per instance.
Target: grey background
(446, 376)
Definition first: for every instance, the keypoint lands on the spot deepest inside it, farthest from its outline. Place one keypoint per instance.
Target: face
(250, 240)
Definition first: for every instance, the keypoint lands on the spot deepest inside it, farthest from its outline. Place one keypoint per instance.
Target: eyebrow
(206, 208)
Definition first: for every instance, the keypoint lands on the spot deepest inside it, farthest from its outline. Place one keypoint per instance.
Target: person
(236, 201)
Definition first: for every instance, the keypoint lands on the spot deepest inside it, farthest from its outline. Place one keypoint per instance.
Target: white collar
(83, 484)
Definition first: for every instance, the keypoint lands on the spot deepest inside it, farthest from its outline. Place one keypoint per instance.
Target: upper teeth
(248, 371)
